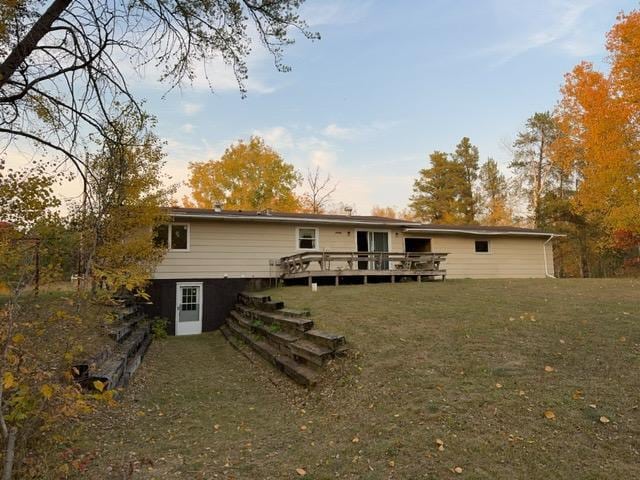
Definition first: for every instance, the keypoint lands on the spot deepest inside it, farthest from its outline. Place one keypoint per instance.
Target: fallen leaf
(301, 471)
(549, 415)
(457, 469)
(47, 391)
(8, 380)
(578, 395)
(498, 385)
(604, 419)
(549, 369)
(303, 427)
(392, 463)
(355, 440)
(440, 445)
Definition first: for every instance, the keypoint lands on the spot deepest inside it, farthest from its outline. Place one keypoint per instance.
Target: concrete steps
(285, 337)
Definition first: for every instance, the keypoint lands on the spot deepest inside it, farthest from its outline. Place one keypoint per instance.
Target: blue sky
(390, 82)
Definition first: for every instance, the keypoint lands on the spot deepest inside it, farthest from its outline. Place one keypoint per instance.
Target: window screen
(482, 246)
(307, 238)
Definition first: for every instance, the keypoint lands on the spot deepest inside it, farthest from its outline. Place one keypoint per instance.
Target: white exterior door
(188, 308)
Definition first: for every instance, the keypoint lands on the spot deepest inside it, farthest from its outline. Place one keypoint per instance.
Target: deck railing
(411, 261)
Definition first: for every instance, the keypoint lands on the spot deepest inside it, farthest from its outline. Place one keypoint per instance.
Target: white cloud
(276, 137)
(562, 26)
(337, 132)
(187, 128)
(334, 131)
(323, 158)
(191, 108)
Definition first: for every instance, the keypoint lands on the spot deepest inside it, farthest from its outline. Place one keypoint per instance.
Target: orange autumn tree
(249, 176)
(598, 119)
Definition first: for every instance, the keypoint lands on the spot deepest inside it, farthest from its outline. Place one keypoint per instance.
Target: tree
(438, 191)
(320, 190)
(531, 163)
(124, 202)
(467, 156)
(64, 65)
(495, 193)
(392, 212)
(387, 212)
(249, 176)
(32, 392)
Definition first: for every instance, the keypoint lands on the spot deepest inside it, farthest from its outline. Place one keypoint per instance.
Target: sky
(388, 83)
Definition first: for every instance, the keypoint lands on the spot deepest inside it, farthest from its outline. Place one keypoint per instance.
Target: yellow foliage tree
(249, 176)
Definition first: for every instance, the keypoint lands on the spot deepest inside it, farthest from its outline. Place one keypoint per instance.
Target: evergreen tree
(495, 195)
(437, 192)
(467, 156)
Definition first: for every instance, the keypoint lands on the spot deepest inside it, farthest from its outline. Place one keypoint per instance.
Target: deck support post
(393, 279)
(310, 280)
(365, 279)
(337, 280)
(419, 278)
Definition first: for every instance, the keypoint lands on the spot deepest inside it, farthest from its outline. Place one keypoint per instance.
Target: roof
(315, 218)
(482, 230)
(270, 216)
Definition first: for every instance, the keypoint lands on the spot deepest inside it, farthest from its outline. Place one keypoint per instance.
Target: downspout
(544, 252)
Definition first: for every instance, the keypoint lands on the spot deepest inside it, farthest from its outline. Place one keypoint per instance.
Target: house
(214, 254)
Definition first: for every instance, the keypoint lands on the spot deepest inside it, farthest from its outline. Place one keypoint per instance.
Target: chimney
(217, 207)
(348, 209)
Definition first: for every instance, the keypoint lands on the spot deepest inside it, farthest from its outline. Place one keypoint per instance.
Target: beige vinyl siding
(508, 257)
(244, 249)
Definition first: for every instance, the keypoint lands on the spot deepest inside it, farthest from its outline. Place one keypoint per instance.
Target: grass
(462, 362)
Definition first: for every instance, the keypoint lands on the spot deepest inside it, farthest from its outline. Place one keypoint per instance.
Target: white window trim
(297, 239)
(171, 249)
(489, 249)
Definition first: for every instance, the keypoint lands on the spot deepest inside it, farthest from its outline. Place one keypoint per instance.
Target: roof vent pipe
(217, 207)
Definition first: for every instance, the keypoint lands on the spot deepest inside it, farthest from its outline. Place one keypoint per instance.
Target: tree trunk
(26, 45)
(538, 213)
(9, 453)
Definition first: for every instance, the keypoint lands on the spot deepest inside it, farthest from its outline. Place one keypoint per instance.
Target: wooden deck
(363, 264)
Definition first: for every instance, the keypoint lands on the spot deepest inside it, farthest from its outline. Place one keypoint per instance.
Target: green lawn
(461, 361)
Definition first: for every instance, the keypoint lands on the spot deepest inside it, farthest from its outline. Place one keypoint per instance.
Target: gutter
(480, 232)
(275, 218)
(544, 252)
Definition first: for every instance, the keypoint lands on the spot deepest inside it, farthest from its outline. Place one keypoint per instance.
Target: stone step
(329, 340)
(308, 351)
(292, 312)
(249, 298)
(124, 328)
(280, 337)
(288, 323)
(299, 373)
(260, 302)
(271, 306)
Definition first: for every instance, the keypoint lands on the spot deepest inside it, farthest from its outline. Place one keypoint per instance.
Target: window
(174, 236)
(482, 246)
(307, 238)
